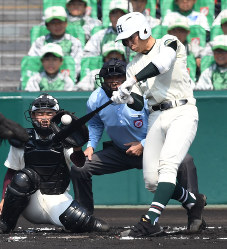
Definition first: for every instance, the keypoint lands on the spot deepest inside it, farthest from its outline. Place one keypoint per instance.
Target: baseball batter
(159, 72)
(38, 177)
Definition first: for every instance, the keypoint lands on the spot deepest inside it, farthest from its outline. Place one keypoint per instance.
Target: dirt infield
(173, 220)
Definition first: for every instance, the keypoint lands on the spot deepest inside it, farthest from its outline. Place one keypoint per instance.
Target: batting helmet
(131, 23)
(113, 67)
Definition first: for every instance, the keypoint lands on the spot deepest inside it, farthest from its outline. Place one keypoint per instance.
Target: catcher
(38, 175)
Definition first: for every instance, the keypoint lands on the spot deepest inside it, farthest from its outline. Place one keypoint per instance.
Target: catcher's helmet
(113, 67)
(131, 23)
(44, 101)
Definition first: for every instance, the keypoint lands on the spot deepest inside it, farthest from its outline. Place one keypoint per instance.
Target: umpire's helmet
(131, 23)
(44, 101)
(113, 67)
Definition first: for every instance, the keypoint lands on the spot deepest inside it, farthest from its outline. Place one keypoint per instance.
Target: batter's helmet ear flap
(144, 32)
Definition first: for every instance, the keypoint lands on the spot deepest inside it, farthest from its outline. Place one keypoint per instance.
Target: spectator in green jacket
(215, 76)
(50, 79)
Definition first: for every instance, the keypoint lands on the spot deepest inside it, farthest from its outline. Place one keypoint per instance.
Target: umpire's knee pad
(77, 219)
(24, 182)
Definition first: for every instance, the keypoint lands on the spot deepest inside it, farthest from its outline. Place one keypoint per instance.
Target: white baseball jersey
(174, 84)
(170, 132)
(42, 208)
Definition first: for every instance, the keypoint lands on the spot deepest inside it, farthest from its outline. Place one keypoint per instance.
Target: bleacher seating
(223, 4)
(10, 68)
(89, 64)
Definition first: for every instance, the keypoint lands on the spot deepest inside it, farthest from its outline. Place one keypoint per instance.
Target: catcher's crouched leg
(24, 183)
(77, 219)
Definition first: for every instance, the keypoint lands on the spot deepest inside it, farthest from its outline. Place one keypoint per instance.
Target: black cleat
(3, 228)
(142, 229)
(196, 223)
(100, 226)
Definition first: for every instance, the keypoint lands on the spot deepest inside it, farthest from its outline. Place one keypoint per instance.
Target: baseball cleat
(143, 228)
(100, 226)
(3, 227)
(196, 222)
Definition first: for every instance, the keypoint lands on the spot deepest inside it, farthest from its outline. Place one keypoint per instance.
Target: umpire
(127, 130)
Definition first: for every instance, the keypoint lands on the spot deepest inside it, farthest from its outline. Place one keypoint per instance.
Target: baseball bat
(67, 130)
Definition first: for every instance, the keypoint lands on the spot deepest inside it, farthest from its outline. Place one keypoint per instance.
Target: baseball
(66, 119)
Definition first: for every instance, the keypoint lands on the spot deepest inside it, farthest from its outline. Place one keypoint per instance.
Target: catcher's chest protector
(47, 159)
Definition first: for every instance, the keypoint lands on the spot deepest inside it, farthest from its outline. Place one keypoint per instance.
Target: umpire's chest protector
(47, 159)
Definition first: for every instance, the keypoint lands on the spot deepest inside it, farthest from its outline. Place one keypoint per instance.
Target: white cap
(86, 1)
(223, 16)
(52, 48)
(122, 5)
(179, 22)
(220, 41)
(55, 12)
(113, 46)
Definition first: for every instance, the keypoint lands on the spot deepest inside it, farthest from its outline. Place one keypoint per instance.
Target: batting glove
(121, 99)
(126, 88)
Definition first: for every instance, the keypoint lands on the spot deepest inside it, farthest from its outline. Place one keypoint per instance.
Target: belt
(165, 105)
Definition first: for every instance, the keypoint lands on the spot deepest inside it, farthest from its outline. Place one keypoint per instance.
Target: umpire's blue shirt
(122, 124)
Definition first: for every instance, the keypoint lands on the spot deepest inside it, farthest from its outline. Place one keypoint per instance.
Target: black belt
(165, 105)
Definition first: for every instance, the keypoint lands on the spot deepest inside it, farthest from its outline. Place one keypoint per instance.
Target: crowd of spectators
(76, 37)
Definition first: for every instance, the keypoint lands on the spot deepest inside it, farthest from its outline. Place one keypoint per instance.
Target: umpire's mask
(112, 74)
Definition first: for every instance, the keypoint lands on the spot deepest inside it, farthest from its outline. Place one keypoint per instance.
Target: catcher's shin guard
(14, 205)
(77, 219)
(23, 184)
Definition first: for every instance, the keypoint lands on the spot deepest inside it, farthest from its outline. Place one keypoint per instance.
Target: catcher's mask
(113, 67)
(44, 101)
(78, 138)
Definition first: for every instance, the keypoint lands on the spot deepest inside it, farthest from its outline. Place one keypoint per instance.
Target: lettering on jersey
(119, 29)
(167, 42)
(138, 123)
